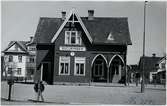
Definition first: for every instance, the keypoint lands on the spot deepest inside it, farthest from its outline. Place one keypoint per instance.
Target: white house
(18, 61)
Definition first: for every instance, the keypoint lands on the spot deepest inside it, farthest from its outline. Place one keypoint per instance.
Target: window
(31, 71)
(16, 47)
(79, 66)
(99, 68)
(20, 58)
(31, 60)
(10, 58)
(163, 65)
(163, 75)
(72, 37)
(9, 70)
(18, 71)
(64, 65)
(31, 48)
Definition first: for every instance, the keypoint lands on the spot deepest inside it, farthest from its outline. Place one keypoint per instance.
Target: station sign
(71, 48)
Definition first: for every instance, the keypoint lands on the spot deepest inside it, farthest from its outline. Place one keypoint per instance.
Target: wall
(16, 64)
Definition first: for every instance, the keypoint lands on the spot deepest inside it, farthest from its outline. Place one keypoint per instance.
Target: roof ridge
(84, 17)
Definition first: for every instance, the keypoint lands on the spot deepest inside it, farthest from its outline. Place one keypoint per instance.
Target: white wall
(16, 64)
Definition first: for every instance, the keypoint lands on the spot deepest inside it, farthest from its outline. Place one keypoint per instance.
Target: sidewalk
(68, 94)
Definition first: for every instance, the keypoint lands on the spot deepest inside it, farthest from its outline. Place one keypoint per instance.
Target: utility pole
(143, 81)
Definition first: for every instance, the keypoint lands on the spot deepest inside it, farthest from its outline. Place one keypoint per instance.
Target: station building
(82, 49)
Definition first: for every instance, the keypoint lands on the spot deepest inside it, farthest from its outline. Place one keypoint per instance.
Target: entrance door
(116, 70)
(99, 70)
(47, 73)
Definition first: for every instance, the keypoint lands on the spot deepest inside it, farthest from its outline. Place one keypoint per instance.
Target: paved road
(61, 94)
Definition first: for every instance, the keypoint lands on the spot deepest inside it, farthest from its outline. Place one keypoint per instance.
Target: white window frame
(20, 58)
(80, 60)
(70, 34)
(30, 60)
(9, 71)
(60, 61)
(31, 48)
(10, 59)
(20, 71)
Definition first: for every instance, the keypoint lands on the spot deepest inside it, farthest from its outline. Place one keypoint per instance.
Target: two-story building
(82, 49)
(18, 61)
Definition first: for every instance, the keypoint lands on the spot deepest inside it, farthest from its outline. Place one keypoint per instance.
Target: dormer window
(72, 38)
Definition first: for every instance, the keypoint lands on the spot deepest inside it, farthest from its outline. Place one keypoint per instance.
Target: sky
(19, 21)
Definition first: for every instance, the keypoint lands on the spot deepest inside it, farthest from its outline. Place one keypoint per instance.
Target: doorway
(116, 72)
(99, 70)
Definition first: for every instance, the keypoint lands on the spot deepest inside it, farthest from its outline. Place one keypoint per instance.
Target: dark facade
(150, 68)
(82, 49)
(2, 68)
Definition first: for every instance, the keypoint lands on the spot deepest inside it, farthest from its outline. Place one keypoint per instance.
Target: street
(68, 94)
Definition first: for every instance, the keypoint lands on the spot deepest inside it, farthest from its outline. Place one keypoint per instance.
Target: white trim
(15, 43)
(41, 72)
(97, 56)
(10, 46)
(114, 57)
(75, 73)
(110, 37)
(64, 63)
(76, 36)
(73, 11)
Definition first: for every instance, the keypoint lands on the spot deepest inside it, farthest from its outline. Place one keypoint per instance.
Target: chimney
(31, 38)
(90, 14)
(153, 55)
(63, 13)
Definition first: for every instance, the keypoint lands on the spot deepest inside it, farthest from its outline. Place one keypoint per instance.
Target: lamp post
(143, 81)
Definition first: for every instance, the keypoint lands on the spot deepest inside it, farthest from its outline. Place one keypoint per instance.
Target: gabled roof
(46, 29)
(161, 60)
(21, 44)
(72, 13)
(149, 63)
(99, 28)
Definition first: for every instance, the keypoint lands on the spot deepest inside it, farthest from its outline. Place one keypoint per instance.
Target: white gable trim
(114, 57)
(73, 11)
(10, 46)
(110, 37)
(15, 43)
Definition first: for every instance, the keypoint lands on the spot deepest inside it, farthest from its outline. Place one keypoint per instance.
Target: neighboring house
(150, 68)
(82, 49)
(161, 72)
(16, 60)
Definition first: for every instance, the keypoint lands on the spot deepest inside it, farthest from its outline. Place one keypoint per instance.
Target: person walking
(39, 88)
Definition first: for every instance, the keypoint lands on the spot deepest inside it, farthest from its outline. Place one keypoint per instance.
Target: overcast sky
(20, 20)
